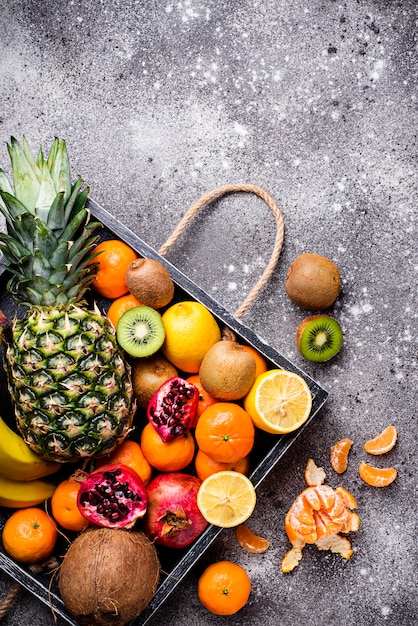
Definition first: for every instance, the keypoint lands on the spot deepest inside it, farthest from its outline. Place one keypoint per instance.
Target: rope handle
(278, 243)
(8, 600)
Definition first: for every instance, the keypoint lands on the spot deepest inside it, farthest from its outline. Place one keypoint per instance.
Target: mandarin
(120, 306)
(29, 535)
(224, 588)
(171, 456)
(129, 453)
(64, 506)
(225, 432)
(113, 260)
(260, 361)
(205, 465)
(205, 399)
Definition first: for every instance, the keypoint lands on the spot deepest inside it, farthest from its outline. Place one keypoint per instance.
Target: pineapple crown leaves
(49, 240)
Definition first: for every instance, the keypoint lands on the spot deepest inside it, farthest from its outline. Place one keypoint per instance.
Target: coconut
(108, 576)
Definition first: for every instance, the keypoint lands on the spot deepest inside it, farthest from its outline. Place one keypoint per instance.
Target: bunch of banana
(21, 470)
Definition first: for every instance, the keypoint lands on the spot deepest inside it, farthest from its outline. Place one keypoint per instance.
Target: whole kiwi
(148, 374)
(150, 282)
(313, 282)
(227, 371)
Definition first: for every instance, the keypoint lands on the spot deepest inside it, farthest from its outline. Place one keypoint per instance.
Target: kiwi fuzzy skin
(301, 329)
(313, 282)
(150, 282)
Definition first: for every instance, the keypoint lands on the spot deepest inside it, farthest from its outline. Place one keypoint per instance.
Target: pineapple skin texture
(70, 383)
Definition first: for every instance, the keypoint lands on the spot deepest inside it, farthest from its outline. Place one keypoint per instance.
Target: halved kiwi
(319, 338)
(140, 331)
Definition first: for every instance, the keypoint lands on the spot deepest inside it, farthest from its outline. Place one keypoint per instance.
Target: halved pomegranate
(113, 496)
(173, 407)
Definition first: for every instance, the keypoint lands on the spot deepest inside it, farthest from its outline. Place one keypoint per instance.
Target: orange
(225, 432)
(260, 361)
(383, 442)
(120, 306)
(113, 260)
(339, 455)
(29, 535)
(64, 506)
(250, 541)
(171, 456)
(205, 399)
(205, 466)
(190, 330)
(224, 588)
(129, 453)
(376, 476)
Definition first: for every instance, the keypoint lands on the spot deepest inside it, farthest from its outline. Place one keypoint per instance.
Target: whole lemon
(190, 330)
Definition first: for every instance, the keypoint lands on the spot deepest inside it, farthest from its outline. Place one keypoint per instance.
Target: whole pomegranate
(173, 407)
(173, 519)
(113, 496)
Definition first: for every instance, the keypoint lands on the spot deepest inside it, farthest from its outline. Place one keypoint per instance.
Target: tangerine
(260, 361)
(224, 588)
(383, 443)
(225, 432)
(205, 399)
(339, 455)
(376, 476)
(250, 541)
(29, 535)
(113, 260)
(64, 506)
(205, 466)
(171, 456)
(129, 453)
(120, 306)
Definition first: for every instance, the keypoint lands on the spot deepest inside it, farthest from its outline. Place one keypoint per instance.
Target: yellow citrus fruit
(226, 498)
(279, 401)
(383, 442)
(190, 330)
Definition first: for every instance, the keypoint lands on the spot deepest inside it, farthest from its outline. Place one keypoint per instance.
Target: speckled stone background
(160, 102)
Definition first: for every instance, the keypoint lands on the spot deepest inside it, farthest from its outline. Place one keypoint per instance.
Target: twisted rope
(7, 602)
(278, 243)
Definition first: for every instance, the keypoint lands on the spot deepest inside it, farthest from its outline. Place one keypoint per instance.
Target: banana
(19, 494)
(18, 461)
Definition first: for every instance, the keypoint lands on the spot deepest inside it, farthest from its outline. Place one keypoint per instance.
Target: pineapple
(68, 379)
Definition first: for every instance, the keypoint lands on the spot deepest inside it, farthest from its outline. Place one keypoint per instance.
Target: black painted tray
(268, 449)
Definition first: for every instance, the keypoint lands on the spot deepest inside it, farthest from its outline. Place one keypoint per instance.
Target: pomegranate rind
(168, 419)
(126, 496)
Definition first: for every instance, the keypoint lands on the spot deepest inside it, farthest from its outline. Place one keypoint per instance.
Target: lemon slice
(279, 401)
(226, 498)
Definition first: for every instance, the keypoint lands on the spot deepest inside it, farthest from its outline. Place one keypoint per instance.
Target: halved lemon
(226, 498)
(279, 401)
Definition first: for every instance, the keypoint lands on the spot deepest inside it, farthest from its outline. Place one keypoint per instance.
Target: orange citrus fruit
(190, 330)
(205, 399)
(29, 535)
(250, 541)
(224, 588)
(279, 401)
(129, 453)
(113, 260)
(376, 476)
(171, 456)
(383, 442)
(260, 361)
(64, 506)
(225, 432)
(339, 455)
(205, 466)
(120, 306)
(226, 498)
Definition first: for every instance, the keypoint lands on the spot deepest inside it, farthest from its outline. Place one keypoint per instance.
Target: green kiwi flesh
(140, 331)
(319, 338)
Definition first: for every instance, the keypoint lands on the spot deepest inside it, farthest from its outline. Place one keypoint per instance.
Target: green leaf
(44, 239)
(60, 171)
(5, 183)
(53, 153)
(14, 205)
(55, 219)
(47, 193)
(26, 183)
(31, 161)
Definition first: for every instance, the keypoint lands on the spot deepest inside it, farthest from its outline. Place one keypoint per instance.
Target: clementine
(29, 535)
(205, 466)
(64, 506)
(224, 588)
(120, 306)
(113, 260)
(171, 456)
(129, 453)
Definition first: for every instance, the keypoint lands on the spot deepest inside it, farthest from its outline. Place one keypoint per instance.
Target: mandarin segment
(339, 455)
(376, 476)
(384, 442)
(250, 541)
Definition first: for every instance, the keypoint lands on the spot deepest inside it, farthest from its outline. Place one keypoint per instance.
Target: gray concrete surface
(315, 101)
